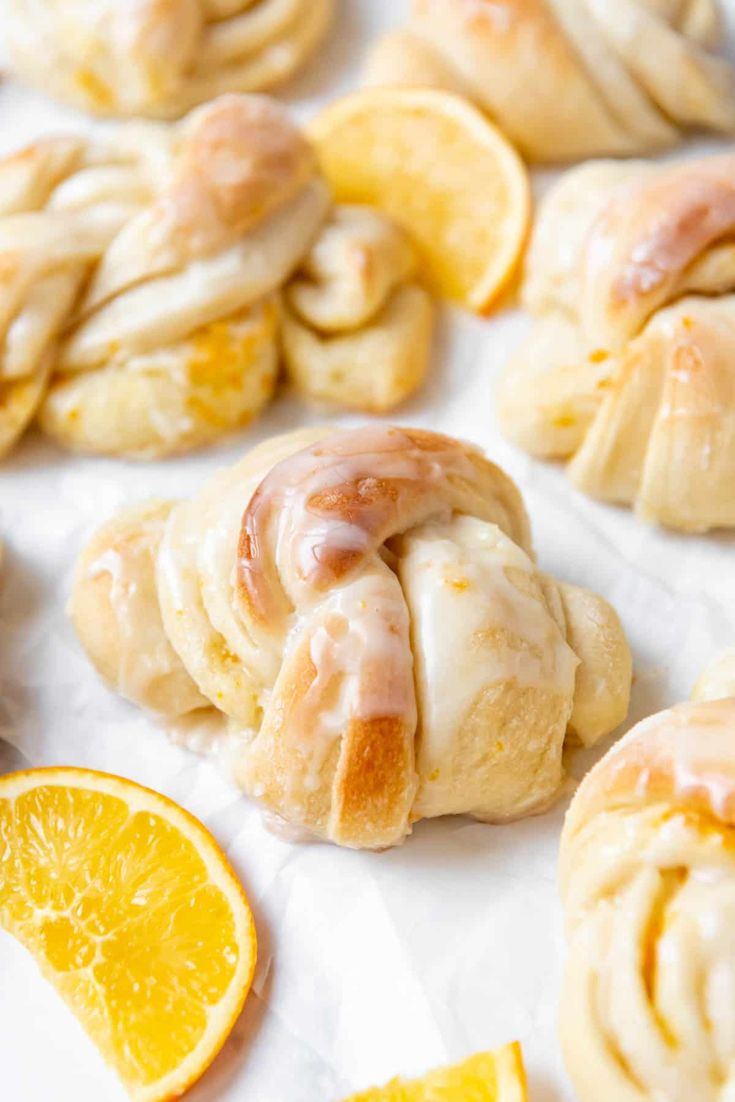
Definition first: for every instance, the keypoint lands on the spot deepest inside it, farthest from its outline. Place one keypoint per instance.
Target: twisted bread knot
(648, 879)
(357, 327)
(162, 328)
(144, 57)
(571, 78)
(630, 367)
(373, 626)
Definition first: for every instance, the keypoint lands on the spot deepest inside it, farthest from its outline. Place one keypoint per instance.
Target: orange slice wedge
(134, 915)
(487, 1077)
(438, 167)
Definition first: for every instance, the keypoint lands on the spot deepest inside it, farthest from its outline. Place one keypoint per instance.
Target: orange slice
(437, 166)
(133, 913)
(487, 1077)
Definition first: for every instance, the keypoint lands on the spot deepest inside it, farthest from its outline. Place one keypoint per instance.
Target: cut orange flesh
(135, 916)
(439, 168)
(486, 1077)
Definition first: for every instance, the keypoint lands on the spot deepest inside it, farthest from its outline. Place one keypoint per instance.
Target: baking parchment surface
(370, 965)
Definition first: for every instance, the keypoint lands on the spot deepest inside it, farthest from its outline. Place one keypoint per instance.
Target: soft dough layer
(363, 607)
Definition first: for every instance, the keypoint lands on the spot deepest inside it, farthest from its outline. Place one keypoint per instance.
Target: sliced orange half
(133, 913)
(437, 166)
(496, 1076)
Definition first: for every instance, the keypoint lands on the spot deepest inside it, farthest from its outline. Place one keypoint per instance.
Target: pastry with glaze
(648, 884)
(140, 313)
(148, 58)
(363, 610)
(570, 79)
(629, 369)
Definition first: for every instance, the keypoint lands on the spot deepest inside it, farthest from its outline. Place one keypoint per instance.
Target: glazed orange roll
(648, 882)
(362, 614)
(629, 370)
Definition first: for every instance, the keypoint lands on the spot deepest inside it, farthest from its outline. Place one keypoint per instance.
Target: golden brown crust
(240, 159)
(374, 783)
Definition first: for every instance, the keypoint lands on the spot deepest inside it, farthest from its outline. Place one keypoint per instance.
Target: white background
(370, 965)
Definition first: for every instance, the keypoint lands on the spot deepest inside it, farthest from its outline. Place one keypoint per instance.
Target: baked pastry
(138, 309)
(629, 370)
(364, 610)
(568, 79)
(648, 881)
(174, 341)
(357, 326)
(717, 681)
(144, 57)
(141, 312)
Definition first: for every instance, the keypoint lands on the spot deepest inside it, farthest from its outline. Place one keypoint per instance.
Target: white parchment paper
(369, 965)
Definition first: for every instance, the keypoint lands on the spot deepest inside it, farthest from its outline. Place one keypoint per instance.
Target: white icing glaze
(340, 501)
(693, 747)
(359, 646)
(472, 627)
